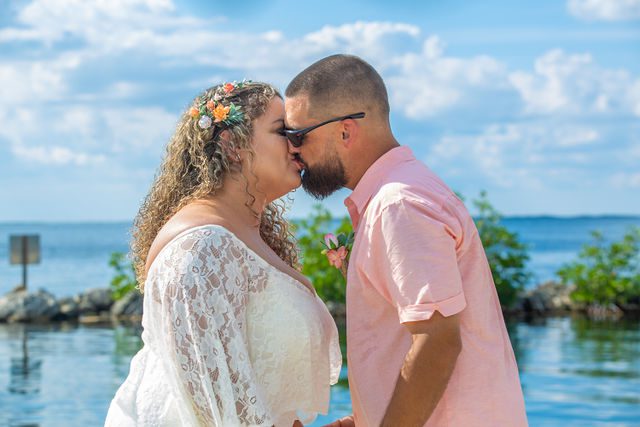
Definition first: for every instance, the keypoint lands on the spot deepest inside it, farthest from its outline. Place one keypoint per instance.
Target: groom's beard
(323, 180)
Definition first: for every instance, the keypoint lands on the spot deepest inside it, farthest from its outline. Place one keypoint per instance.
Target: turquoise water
(574, 372)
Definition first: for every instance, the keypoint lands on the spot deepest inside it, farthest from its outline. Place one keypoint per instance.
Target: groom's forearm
(426, 371)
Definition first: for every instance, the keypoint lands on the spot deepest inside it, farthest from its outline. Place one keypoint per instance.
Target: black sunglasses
(295, 136)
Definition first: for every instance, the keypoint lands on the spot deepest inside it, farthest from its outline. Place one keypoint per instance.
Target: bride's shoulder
(177, 227)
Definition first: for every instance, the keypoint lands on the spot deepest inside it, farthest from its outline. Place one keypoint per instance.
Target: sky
(538, 103)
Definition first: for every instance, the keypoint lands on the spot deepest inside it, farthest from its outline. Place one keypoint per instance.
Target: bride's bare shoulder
(185, 219)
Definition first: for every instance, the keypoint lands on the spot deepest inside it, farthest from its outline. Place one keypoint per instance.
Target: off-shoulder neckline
(248, 249)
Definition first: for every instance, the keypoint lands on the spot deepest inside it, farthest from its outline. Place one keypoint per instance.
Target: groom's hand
(343, 422)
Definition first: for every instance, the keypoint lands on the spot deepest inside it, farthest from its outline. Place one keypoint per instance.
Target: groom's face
(323, 170)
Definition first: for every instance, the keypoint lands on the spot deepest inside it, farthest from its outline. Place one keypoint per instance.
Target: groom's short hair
(340, 81)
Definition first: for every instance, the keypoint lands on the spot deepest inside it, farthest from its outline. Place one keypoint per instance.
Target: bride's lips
(299, 163)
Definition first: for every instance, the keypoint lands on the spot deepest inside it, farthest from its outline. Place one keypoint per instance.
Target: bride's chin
(292, 185)
(296, 180)
(298, 183)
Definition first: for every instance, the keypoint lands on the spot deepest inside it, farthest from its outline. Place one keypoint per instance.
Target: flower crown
(214, 112)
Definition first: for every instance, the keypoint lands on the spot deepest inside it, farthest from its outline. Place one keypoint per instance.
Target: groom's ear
(349, 131)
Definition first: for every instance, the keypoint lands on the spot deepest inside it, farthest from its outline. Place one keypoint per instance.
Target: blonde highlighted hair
(195, 165)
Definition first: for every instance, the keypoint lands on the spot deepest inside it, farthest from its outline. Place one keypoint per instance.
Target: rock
(548, 297)
(8, 304)
(604, 312)
(95, 301)
(69, 307)
(630, 307)
(21, 306)
(18, 288)
(94, 318)
(128, 306)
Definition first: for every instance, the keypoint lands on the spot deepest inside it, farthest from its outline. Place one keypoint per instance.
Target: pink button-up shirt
(417, 251)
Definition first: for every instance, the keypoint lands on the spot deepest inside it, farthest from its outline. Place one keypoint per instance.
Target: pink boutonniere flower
(330, 240)
(338, 249)
(337, 256)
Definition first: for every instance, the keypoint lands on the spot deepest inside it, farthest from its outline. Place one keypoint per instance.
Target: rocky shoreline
(92, 306)
(97, 306)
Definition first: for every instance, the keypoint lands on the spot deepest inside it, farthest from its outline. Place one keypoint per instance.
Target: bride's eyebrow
(278, 121)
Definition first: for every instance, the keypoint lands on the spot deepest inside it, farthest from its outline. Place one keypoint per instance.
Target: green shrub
(124, 280)
(328, 281)
(606, 273)
(506, 254)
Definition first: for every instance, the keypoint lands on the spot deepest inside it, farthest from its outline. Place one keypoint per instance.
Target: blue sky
(536, 102)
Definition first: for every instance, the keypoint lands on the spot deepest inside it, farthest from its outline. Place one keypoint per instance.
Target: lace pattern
(239, 342)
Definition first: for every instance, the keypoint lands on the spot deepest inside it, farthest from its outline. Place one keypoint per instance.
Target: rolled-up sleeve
(413, 253)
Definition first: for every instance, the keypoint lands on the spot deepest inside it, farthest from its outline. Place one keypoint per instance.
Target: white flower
(204, 122)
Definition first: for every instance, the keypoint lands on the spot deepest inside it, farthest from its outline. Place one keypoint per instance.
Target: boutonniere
(338, 249)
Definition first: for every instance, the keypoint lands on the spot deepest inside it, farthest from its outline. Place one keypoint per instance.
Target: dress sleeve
(202, 317)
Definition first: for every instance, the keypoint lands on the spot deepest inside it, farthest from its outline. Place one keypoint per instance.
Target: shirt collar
(370, 182)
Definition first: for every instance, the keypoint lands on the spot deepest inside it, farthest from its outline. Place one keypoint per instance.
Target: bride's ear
(232, 153)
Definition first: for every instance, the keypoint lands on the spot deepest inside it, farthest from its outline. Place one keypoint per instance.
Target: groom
(426, 340)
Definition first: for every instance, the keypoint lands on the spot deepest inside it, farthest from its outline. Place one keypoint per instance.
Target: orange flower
(211, 105)
(229, 87)
(194, 112)
(220, 113)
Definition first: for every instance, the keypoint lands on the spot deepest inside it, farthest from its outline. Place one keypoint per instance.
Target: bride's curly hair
(195, 165)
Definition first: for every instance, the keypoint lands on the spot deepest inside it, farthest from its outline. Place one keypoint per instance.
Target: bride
(234, 334)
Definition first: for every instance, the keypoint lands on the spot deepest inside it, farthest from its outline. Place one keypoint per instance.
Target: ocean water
(574, 372)
(75, 256)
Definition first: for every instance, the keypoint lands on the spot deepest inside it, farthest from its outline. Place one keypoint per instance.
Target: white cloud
(625, 180)
(424, 80)
(34, 81)
(605, 10)
(138, 128)
(55, 155)
(152, 26)
(517, 154)
(428, 82)
(153, 29)
(634, 97)
(77, 120)
(574, 136)
(85, 134)
(39, 103)
(368, 39)
(50, 21)
(574, 84)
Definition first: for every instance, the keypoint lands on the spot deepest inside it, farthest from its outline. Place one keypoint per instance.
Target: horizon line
(516, 216)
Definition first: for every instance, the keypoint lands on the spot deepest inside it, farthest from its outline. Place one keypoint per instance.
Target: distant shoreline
(510, 217)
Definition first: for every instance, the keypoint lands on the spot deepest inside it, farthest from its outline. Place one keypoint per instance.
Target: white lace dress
(229, 340)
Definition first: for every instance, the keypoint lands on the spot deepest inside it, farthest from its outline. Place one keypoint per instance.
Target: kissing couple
(235, 335)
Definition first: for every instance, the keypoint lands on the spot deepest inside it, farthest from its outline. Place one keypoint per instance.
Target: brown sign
(25, 249)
